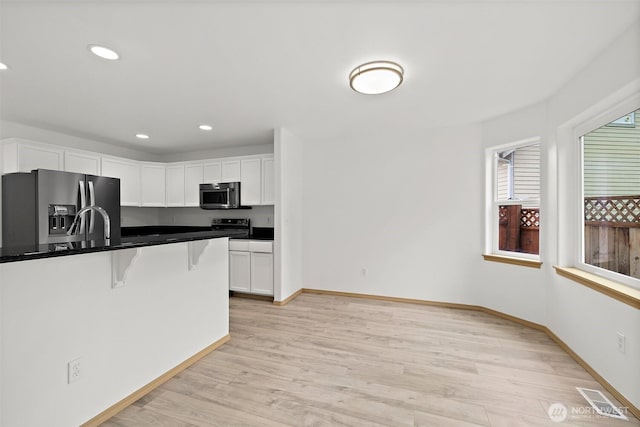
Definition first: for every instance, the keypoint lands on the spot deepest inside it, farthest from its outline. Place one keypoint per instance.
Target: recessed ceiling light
(142, 136)
(205, 127)
(103, 52)
(3, 66)
(376, 77)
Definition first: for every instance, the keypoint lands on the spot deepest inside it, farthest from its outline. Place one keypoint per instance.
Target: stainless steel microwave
(223, 195)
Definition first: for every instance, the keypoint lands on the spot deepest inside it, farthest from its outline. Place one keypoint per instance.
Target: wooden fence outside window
(519, 229)
(612, 233)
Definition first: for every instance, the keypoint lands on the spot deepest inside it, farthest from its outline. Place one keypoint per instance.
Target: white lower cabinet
(240, 271)
(251, 266)
(262, 273)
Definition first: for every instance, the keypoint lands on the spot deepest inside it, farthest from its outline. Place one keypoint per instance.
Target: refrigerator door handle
(92, 201)
(83, 203)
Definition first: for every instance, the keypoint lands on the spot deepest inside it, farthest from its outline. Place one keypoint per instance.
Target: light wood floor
(329, 360)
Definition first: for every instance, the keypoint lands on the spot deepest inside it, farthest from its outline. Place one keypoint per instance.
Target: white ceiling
(249, 66)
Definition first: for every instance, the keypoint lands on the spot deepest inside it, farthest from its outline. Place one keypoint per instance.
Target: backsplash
(260, 216)
(135, 217)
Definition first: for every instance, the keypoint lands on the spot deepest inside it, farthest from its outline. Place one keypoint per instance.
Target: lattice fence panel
(621, 209)
(502, 215)
(530, 218)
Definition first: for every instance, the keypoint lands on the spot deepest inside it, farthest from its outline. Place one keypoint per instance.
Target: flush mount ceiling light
(374, 78)
(103, 52)
(205, 127)
(142, 136)
(3, 67)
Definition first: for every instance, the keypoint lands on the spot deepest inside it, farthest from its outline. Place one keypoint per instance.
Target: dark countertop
(259, 233)
(28, 252)
(151, 230)
(250, 237)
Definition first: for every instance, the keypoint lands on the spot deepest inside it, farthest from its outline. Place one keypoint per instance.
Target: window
(611, 199)
(514, 227)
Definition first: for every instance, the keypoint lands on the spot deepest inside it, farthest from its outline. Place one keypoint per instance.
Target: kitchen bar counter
(28, 252)
(127, 316)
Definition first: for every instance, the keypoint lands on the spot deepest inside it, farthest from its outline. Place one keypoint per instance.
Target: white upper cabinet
(192, 179)
(24, 156)
(153, 184)
(82, 162)
(268, 181)
(211, 173)
(231, 171)
(129, 173)
(250, 181)
(175, 184)
(149, 183)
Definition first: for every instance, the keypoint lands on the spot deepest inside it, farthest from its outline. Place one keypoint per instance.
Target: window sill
(524, 262)
(622, 293)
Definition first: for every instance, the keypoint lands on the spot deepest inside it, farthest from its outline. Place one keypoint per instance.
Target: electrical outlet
(621, 342)
(268, 220)
(363, 272)
(74, 371)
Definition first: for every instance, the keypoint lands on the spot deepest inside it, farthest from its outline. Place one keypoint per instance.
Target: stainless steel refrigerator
(39, 207)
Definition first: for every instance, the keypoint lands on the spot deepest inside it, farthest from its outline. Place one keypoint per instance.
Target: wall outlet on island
(364, 271)
(74, 371)
(269, 222)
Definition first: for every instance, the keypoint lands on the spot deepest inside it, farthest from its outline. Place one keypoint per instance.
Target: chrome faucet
(107, 221)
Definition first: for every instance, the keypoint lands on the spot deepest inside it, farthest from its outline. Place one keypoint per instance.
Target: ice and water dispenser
(60, 218)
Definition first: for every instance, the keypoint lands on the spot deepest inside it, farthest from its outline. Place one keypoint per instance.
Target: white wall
(405, 205)
(289, 233)
(609, 81)
(516, 290)
(55, 310)
(587, 321)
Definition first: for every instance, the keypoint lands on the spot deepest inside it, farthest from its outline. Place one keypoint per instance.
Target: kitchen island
(126, 314)
(35, 251)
